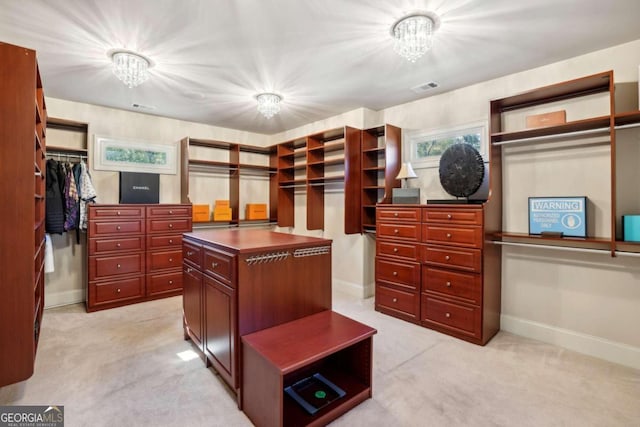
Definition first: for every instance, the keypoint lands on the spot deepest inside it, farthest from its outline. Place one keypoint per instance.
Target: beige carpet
(120, 367)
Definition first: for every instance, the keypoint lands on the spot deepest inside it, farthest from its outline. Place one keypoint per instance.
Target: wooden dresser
(135, 253)
(241, 281)
(432, 268)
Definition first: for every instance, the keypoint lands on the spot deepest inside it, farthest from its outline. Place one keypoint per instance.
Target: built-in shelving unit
(314, 164)
(22, 244)
(381, 157)
(578, 131)
(232, 168)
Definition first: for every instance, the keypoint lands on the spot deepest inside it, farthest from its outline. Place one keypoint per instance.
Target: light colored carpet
(120, 367)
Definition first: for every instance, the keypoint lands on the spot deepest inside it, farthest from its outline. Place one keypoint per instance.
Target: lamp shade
(406, 171)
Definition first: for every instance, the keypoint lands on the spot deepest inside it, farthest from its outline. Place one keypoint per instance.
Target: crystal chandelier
(413, 34)
(268, 104)
(130, 67)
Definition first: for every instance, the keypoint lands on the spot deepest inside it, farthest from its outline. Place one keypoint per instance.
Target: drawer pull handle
(214, 264)
(170, 212)
(448, 284)
(395, 300)
(395, 249)
(170, 225)
(118, 291)
(189, 253)
(448, 235)
(447, 315)
(118, 212)
(170, 259)
(395, 231)
(170, 240)
(118, 265)
(449, 216)
(395, 273)
(171, 282)
(447, 257)
(117, 245)
(395, 214)
(189, 270)
(118, 227)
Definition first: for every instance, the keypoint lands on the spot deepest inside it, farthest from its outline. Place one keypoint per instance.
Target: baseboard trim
(353, 289)
(58, 299)
(611, 351)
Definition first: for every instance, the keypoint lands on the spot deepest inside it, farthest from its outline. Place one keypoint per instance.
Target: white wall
(587, 302)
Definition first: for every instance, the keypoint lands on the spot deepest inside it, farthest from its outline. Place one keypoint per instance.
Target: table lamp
(404, 194)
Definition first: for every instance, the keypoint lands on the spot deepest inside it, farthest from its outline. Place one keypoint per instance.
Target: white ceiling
(324, 57)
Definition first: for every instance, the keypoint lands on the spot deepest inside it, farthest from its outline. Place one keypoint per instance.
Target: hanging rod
(551, 137)
(560, 248)
(59, 155)
(629, 126)
(631, 254)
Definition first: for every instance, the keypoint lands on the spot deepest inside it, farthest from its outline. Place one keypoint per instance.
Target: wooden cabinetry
(135, 253)
(232, 167)
(433, 268)
(581, 131)
(328, 343)
(364, 162)
(243, 280)
(381, 157)
(22, 241)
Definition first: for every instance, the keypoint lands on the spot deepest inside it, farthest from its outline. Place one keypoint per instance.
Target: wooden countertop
(251, 240)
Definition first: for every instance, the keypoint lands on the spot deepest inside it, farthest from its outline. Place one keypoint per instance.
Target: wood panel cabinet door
(219, 344)
(192, 304)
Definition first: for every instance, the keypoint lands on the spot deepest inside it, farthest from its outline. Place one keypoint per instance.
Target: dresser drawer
(162, 283)
(467, 286)
(103, 267)
(455, 235)
(404, 274)
(169, 225)
(460, 318)
(409, 252)
(399, 231)
(458, 258)
(115, 212)
(111, 228)
(162, 260)
(403, 303)
(169, 211)
(218, 264)
(398, 214)
(453, 216)
(166, 241)
(107, 292)
(192, 253)
(98, 246)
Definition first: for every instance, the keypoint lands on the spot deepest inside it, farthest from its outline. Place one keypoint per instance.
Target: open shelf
(595, 125)
(595, 243)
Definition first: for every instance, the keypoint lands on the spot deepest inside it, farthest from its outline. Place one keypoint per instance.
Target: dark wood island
(241, 281)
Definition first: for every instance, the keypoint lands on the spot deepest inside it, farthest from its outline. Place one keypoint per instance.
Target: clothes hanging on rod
(54, 208)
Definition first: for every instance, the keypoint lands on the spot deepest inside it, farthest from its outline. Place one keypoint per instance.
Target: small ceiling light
(130, 67)
(413, 34)
(268, 104)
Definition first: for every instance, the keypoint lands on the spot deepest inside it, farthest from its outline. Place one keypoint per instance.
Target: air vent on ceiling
(143, 107)
(424, 87)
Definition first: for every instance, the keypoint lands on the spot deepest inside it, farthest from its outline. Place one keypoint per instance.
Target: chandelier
(413, 34)
(268, 104)
(130, 67)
